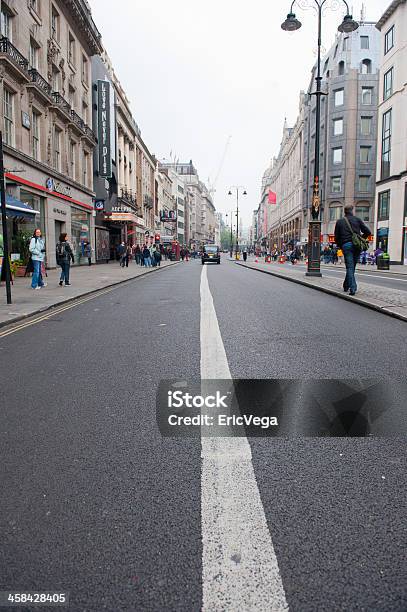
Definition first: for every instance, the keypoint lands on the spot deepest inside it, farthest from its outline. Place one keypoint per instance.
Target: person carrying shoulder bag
(37, 250)
(351, 235)
(64, 255)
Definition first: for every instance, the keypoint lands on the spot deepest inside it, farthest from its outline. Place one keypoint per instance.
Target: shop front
(22, 220)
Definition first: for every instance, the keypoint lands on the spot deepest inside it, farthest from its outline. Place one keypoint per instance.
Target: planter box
(20, 271)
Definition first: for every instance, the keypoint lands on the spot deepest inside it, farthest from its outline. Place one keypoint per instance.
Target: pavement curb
(86, 293)
(342, 296)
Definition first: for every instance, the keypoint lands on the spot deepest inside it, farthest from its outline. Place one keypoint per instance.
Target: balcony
(39, 86)
(14, 60)
(61, 105)
(148, 201)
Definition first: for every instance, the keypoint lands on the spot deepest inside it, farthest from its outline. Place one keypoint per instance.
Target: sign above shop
(105, 152)
(59, 211)
(100, 204)
(58, 187)
(125, 216)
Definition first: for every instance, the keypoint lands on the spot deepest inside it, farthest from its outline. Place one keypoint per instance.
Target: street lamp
(237, 188)
(231, 233)
(314, 232)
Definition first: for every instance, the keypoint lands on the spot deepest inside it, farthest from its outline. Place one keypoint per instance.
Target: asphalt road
(95, 502)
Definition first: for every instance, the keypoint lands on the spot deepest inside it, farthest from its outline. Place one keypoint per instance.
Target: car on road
(210, 254)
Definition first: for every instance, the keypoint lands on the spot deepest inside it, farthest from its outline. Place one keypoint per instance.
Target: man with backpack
(351, 237)
(64, 256)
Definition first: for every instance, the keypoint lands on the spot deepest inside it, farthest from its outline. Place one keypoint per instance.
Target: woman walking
(64, 255)
(37, 250)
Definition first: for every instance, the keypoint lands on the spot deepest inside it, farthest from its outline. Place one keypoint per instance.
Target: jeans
(351, 256)
(37, 275)
(147, 262)
(65, 268)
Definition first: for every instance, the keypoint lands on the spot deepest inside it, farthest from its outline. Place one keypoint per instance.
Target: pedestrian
(182, 254)
(64, 255)
(121, 252)
(157, 256)
(351, 235)
(37, 250)
(137, 254)
(147, 256)
(87, 251)
(244, 255)
(186, 254)
(340, 256)
(128, 255)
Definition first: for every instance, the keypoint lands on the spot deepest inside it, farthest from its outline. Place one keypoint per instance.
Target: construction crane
(212, 184)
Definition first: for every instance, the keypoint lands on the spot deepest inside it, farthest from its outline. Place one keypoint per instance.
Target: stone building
(391, 175)
(46, 93)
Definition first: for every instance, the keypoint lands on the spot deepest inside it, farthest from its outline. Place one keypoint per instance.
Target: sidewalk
(84, 279)
(392, 302)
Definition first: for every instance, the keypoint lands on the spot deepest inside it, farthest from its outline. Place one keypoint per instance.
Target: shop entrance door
(59, 228)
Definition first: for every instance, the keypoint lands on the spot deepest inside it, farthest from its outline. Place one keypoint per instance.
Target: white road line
(239, 565)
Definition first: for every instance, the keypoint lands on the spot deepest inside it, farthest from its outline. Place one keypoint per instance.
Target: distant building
(391, 175)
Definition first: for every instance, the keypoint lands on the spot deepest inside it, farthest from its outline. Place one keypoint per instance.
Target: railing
(148, 201)
(40, 81)
(77, 120)
(7, 47)
(129, 198)
(61, 102)
(89, 132)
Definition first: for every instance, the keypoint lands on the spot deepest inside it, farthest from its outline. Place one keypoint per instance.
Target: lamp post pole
(231, 233)
(6, 250)
(314, 231)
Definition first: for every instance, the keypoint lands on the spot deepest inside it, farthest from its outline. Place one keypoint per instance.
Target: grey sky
(197, 73)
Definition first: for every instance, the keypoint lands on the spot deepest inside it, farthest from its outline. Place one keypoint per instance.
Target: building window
(71, 96)
(341, 68)
(54, 23)
(72, 158)
(8, 112)
(55, 79)
(365, 155)
(366, 66)
(363, 211)
(389, 40)
(34, 5)
(35, 135)
(84, 70)
(57, 149)
(336, 186)
(338, 127)
(367, 96)
(85, 113)
(386, 144)
(337, 155)
(345, 43)
(6, 22)
(366, 126)
(85, 168)
(71, 50)
(364, 42)
(364, 183)
(384, 206)
(339, 97)
(388, 84)
(33, 54)
(335, 212)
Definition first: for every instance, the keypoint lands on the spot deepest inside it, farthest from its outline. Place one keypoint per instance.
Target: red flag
(272, 197)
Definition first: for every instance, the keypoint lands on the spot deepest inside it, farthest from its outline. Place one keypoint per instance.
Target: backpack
(60, 250)
(360, 243)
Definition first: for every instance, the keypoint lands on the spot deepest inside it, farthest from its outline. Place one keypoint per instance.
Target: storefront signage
(129, 217)
(121, 209)
(58, 187)
(105, 153)
(59, 211)
(168, 215)
(100, 204)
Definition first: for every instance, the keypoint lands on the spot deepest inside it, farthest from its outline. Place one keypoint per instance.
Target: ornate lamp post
(237, 188)
(314, 232)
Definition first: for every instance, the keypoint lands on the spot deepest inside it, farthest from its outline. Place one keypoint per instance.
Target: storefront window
(80, 226)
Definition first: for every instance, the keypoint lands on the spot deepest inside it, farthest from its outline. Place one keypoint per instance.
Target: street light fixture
(237, 188)
(314, 232)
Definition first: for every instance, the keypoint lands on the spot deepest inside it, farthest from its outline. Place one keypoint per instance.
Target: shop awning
(16, 208)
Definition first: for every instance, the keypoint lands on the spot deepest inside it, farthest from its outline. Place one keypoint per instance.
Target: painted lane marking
(239, 565)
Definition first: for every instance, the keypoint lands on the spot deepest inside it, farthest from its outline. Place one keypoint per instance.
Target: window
(388, 84)
(364, 42)
(33, 54)
(326, 65)
(364, 183)
(71, 96)
(336, 186)
(338, 127)
(8, 112)
(72, 158)
(55, 79)
(367, 96)
(54, 23)
(336, 51)
(85, 112)
(389, 40)
(366, 126)
(84, 70)
(386, 144)
(35, 135)
(384, 206)
(57, 149)
(345, 43)
(6, 22)
(367, 66)
(335, 213)
(363, 211)
(85, 168)
(337, 155)
(339, 97)
(71, 50)
(341, 68)
(34, 5)
(365, 153)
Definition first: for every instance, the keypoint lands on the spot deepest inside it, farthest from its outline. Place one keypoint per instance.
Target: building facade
(348, 130)
(391, 174)
(45, 87)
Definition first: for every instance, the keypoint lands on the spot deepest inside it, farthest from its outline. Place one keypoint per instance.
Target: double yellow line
(51, 313)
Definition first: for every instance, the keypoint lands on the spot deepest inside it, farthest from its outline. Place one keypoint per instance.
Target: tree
(225, 239)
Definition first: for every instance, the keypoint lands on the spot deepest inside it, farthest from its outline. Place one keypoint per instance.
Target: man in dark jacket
(344, 230)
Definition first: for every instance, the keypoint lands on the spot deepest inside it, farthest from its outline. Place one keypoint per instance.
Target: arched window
(362, 210)
(367, 66)
(341, 68)
(335, 211)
